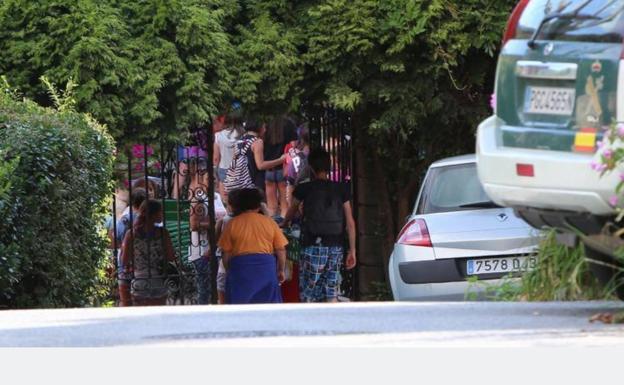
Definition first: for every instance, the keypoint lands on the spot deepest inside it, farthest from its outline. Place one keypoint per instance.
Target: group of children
(251, 244)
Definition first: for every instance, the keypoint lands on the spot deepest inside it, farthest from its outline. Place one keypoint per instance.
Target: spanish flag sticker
(585, 140)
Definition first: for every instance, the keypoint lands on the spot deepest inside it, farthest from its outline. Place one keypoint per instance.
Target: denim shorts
(221, 174)
(275, 176)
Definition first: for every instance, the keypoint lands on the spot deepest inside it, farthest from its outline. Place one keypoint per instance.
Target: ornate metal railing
(180, 176)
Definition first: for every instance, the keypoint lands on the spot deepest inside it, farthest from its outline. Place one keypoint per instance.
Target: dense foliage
(54, 179)
(139, 66)
(415, 74)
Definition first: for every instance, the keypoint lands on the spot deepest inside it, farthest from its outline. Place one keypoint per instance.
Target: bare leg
(125, 299)
(178, 180)
(222, 193)
(289, 191)
(282, 199)
(271, 196)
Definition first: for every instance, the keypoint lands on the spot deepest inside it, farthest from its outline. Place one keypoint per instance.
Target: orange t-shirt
(252, 233)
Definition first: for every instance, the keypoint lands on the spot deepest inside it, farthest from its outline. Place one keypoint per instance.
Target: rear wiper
(484, 204)
(574, 15)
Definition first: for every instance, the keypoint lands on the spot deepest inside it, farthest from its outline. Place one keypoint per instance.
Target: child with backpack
(248, 165)
(296, 167)
(326, 210)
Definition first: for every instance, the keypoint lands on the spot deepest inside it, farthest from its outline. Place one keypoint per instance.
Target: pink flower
(622, 177)
(600, 143)
(620, 130)
(607, 153)
(493, 101)
(598, 166)
(138, 167)
(157, 165)
(137, 151)
(613, 201)
(150, 151)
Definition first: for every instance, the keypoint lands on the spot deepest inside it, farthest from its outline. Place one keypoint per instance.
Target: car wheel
(607, 275)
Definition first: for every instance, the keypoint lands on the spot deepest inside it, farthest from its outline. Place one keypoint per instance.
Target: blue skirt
(252, 278)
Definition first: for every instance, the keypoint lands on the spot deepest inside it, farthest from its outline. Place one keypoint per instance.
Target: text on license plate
(500, 265)
(549, 100)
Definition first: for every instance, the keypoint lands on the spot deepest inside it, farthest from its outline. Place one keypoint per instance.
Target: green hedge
(55, 173)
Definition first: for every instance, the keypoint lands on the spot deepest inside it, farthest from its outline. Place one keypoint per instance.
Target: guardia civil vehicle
(559, 85)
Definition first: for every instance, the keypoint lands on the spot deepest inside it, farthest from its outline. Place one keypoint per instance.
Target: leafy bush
(562, 274)
(55, 177)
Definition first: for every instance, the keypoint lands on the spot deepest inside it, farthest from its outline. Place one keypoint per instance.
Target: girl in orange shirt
(254, 252)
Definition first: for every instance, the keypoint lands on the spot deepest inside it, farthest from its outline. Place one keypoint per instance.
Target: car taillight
(525, 170)
(512, 23)
(415, 233)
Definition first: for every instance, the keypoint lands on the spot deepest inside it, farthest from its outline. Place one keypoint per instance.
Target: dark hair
(140, 183)
(147, 213)
(304, 136)
(253, 125)
(319, 160)
(138, 196)
(234, 121)
(245, 199)
(281, 130)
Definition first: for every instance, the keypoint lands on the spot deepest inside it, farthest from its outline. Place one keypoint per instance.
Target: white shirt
(226, 140)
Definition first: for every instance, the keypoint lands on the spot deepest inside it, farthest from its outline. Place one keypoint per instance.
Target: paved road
(345, 325)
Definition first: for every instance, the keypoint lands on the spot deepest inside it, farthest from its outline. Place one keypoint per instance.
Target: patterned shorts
(319, 269)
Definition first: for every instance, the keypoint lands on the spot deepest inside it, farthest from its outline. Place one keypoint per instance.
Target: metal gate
(180, 176)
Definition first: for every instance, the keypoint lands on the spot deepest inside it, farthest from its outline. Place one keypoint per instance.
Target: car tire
(607, 274)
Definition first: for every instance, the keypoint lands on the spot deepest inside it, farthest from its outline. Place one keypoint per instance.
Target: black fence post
(212, 239)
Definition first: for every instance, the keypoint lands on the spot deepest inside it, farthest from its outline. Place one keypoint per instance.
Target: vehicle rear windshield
(451, 187)
(589, 21)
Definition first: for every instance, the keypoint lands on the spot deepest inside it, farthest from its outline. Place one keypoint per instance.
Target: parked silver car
(456, 232)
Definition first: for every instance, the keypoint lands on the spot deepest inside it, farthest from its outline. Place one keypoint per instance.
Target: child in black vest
(326, 210)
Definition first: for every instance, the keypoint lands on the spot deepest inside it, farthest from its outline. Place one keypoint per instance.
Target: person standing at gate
(326, 208)
(296, 167)
(254, 252)
(224, 146)
(124, 223)
(248, 164)
(199, 221)
(280, 132)
(145, 250)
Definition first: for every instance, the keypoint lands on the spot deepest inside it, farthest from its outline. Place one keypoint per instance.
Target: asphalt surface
(433, 324)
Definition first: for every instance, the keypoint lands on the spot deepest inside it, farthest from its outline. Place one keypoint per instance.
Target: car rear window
(606, 24)
(449, 188)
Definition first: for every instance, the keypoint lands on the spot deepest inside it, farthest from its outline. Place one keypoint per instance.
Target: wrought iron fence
(180, 176)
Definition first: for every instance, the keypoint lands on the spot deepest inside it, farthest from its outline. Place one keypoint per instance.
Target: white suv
(557, 90)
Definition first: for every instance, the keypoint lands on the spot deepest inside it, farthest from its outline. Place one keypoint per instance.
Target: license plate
(500, 265)
(549, 100)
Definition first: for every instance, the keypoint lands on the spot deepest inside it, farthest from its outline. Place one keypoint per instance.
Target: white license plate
(500, 265)
(549, 100)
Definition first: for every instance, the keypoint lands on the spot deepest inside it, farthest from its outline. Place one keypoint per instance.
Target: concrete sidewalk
(342, 325)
